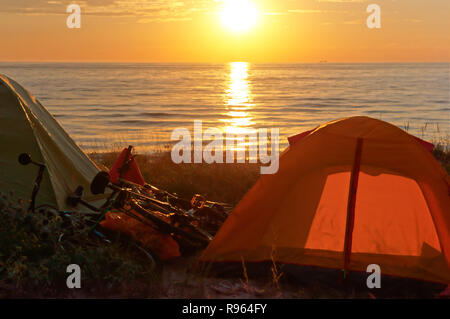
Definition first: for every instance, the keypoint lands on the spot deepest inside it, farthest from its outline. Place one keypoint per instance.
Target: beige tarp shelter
(27, 127)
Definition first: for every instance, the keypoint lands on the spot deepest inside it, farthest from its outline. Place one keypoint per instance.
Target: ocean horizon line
(221, 63)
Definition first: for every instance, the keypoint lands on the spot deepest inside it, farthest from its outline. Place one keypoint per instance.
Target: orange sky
(192, 31)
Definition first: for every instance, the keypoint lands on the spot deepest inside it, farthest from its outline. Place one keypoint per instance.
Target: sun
(239, 15)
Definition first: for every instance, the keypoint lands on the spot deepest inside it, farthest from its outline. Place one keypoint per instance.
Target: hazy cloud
(305, 11)
(341, 0)
(145, 10)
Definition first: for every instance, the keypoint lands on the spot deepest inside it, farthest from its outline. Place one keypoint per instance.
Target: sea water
(110, 105)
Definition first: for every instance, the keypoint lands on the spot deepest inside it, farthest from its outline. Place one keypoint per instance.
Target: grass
(35, 249)
(442, 154)
(218, 182)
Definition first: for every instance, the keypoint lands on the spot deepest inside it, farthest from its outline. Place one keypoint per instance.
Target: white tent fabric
(27, 127)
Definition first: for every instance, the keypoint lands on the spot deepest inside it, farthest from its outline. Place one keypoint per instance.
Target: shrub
(36, 248)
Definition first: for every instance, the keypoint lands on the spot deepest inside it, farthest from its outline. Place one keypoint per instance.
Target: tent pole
(351, 205)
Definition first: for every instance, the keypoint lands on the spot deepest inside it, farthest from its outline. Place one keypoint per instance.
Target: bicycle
(140, 203)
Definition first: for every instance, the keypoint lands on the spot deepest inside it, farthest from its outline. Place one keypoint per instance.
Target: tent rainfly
(27, 127)
(350, 193)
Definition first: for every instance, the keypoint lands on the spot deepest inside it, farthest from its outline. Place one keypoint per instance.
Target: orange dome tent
(349, 193)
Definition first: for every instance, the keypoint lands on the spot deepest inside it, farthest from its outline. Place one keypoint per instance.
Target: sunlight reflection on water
(238, 100)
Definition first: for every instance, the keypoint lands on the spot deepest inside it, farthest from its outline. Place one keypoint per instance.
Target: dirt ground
(184, 278)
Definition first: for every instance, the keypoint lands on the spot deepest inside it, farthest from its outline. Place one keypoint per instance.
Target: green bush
(36, 248)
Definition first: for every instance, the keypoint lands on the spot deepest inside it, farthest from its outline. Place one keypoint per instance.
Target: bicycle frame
(25, 159)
